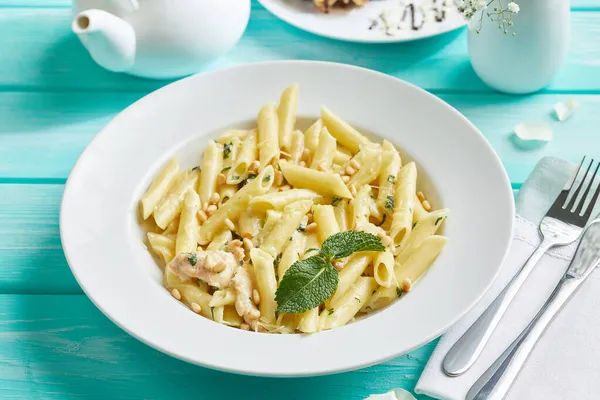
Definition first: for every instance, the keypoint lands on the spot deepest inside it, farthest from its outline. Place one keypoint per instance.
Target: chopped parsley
(335, 201)
(267, 178)
(391, 179)
(399, 292)
(193, 259)
(389, 202)
(277, 260)
(247, 180)
(382, 220)
(212, 312)
(331, 311)
(301, 228)
(415, 224)
(196, 167)
(227, 150)
(438, 220)
(225, 169)
(357, 299)
(235, 177)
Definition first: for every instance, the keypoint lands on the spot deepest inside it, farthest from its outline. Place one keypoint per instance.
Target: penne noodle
(291, 254)
(360, 207)
(404, 200)
(342, 131)
(421, 230)
(247, 154)
(312, 242)
(268, 134)
(341, 214)
(311, 136)
(170, 206)
(320, 182)
(265, 282)
(231, 134)
(187, 234)
(159, 187)
(231, 317)
(369, 170)
(172, 228)
(231, 150)
(309, 323)
(236, 205)
(272, 219)
(342, 156)
(220, 240)
(297, 147)
(226, 192)
(343, 310)
(223, 297)
(286, 227)
(383, 268)
(419, 212)
(279, 200)
(323, 155)
(390, 166)
(250, 223)
(327, 225)
(286, 115)
(354, 268)
(211, 166)
(162, 246)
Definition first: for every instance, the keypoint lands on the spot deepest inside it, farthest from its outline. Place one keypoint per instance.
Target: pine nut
(175, 293)
(196, 308)
(214, 199)
(202, 216)
(229, 224)
(221, 179)
(255, 296)
(210, 210)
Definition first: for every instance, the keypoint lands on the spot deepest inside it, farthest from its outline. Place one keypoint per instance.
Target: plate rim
(384, 40)
(244, 371)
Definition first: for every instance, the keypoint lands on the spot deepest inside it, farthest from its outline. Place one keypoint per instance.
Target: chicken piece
(244, 305)
(215, 267)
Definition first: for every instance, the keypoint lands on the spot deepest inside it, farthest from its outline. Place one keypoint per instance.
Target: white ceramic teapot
(159, 39)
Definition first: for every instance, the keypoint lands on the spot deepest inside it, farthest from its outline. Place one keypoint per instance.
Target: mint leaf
(345, 243)
(192, 258)
(305, 285)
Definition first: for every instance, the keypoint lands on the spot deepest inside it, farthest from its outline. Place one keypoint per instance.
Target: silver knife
(496, 381)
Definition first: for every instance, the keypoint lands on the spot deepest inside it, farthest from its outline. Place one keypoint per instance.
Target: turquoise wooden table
(53, 99)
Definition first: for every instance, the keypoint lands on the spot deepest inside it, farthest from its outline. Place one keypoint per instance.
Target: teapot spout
(109, 39)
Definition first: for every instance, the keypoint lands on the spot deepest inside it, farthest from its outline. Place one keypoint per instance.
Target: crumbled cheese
(565, 108)
(394, 394)
(531, 135)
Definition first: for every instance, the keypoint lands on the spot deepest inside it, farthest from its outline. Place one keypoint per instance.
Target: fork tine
(590, 208)
(573, 178)
(576, 194)
(560, 201)
(587, 190)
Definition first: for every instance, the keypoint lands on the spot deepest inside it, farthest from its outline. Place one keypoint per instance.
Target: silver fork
(562, 225)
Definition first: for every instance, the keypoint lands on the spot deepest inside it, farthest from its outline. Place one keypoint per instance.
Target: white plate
(353, 25)
(103, 242)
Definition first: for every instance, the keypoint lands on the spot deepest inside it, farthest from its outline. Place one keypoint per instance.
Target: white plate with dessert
(369, 21)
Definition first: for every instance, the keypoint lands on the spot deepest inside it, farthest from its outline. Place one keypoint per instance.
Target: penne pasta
(342, 131)
(309, 323)
(246, 155)
(231, 134)
(286, 115)
(211, 166)
(236, 205)
(340, 209)
(272, 219)
(226, 192)
(279, 200)
(320, 182)
(360, 207)
(325, 151)
(223, 297)
(220, 240)
(159, 188)
(297, 147)
(404, 200)
(268, 134)
(369, 170)
(187, 234)
(291, 254)
(419, 212)
(311, 136)
(390, 167)
(343, 310)
(422, 229)
(250, 223)
(354, 268)
(162, 246)
(265, 282)
(327, 225)
(286, 227)
(170, 206)
(342, 156)
(383, 269)
(231, 150)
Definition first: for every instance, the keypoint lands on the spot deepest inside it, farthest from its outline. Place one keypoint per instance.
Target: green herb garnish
(382, 220)
(308, 283)
(301, 228)
(438, 220)
(248, 179)
(277, 260)
(335, 201)
(389, 202)
(414, 224)
(196, 167)
(357, 299)
(267, 178)
(227, 150)
(212, 312)
(331, 311)
(192, 258)
(399, 291)
(225, 169)
(391, 179)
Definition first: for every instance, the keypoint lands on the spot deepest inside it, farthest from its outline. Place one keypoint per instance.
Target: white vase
(527, 61)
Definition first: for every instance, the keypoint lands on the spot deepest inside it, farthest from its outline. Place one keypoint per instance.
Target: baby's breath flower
(513, 7)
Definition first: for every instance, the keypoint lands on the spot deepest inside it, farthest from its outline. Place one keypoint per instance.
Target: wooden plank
(57, 347)
(42, 134)
(441, 63)
(30, 251)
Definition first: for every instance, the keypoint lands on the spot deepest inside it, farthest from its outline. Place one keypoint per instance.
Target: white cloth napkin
(565, 364)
